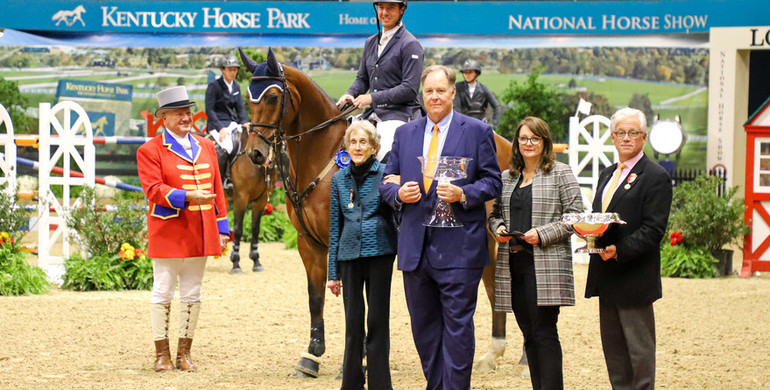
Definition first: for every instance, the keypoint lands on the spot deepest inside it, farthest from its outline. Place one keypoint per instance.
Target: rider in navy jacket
(390, 71)
(224, 106)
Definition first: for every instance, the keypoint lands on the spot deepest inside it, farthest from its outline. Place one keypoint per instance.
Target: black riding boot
(223, 159)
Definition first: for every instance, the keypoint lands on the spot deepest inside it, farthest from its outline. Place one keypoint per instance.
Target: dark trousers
(537, 323)
(372, 276)
(441, 305)
(628, 340)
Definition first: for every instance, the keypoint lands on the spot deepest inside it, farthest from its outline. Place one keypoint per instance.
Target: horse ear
(250, 64)
(273, 67)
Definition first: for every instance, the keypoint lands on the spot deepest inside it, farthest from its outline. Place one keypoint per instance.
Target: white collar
(386, 35)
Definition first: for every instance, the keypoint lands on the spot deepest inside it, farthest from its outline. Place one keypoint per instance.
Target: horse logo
(70, 17)
(98, 126)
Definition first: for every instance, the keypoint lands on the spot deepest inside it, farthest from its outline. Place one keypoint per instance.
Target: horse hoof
(300, 374)
(307, 367)
(236, 271)
(485, 365)
(257, 268)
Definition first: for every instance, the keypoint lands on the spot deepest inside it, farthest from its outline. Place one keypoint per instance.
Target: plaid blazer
(553, 194)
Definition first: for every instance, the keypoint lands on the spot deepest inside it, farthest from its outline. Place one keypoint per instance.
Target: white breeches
(188, 271)
(227, 141)
(387, 131)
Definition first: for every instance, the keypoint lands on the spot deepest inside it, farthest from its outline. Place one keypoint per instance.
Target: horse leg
(314, 259)
(487, 362)
(239, 210)
(256, 219)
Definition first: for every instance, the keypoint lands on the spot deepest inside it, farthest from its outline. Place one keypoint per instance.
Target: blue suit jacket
(360, 231)
(393, 78)
(223, 107)
(463, 247)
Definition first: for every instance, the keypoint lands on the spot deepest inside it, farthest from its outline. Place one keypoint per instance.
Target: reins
(278, 142)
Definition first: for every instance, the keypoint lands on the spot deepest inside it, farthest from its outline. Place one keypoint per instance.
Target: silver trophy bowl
(447, 169)
(590, 226)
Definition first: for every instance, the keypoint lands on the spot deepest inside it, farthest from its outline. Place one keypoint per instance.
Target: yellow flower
(126, 247)
(130, 254)
(4, 236)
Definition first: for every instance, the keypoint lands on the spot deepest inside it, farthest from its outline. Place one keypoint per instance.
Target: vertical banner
(108, 105)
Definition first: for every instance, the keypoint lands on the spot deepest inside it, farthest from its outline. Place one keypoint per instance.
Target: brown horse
(288, 108)
(252, 186)
(285, 104)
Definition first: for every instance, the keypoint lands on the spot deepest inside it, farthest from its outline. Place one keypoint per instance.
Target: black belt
(516, 248)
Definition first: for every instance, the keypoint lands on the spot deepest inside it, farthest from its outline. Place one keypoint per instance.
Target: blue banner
(94, 90)
(422, 18)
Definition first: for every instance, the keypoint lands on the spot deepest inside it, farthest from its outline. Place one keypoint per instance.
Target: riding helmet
(229, 62)
(472, 65)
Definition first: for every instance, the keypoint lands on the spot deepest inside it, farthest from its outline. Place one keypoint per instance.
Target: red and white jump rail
(99, 180)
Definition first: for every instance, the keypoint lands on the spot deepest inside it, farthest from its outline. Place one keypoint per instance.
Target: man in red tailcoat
(186, 221)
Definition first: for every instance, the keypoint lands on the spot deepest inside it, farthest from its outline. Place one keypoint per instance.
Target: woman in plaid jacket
(534, 262)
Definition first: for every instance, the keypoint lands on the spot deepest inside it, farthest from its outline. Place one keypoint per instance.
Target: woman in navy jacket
(362, 248)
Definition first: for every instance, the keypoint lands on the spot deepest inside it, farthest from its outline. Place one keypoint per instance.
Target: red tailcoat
(177, 228)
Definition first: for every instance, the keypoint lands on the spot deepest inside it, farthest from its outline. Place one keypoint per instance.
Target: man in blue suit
(442, 266)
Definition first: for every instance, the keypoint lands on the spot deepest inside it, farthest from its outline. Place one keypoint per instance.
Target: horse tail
(58, 15)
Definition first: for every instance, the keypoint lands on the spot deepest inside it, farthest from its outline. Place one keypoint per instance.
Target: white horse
(70, 17)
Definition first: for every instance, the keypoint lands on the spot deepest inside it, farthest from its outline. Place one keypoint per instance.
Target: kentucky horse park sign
(424, 18)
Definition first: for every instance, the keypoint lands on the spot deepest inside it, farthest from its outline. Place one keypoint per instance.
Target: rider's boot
(223, 159)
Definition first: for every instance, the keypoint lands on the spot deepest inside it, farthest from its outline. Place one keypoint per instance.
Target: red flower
(268, 209)
(675, 238)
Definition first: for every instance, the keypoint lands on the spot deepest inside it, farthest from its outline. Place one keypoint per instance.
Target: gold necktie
(611, 190)
(430, 165)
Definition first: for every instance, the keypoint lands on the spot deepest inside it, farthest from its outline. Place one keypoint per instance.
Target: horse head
(268, 105)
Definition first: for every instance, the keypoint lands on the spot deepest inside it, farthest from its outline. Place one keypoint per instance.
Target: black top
(521, 208)
(521, 213)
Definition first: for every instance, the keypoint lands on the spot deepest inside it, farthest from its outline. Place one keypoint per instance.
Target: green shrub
(17, 276)
(95, 273)
(137, 268)
(108, 240)
(687, 262)
(102, 232)
(706, 218)
(13, 218)
(108, 272)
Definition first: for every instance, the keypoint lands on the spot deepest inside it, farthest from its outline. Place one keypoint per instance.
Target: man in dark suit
(442, 266)
(226, 113)
(626, 277)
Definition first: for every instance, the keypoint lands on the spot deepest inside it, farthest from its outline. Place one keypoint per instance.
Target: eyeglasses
(622, 134)
(533, 140)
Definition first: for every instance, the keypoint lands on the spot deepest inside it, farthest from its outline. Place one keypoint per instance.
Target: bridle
(278, 143)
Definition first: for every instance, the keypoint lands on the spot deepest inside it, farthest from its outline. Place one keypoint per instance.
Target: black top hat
(174, 97)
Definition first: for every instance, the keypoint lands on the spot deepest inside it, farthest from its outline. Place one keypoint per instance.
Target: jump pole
(97, 179)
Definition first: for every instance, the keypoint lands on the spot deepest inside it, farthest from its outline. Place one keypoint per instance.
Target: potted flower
(707, 219)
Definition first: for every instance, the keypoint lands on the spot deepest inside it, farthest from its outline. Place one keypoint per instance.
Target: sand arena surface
(712, 334)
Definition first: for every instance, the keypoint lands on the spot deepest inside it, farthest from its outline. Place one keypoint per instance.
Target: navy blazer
(223, 107)
(363, 230)
(463, 247)
(644, 203)
(476, 106)
(392, 78)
